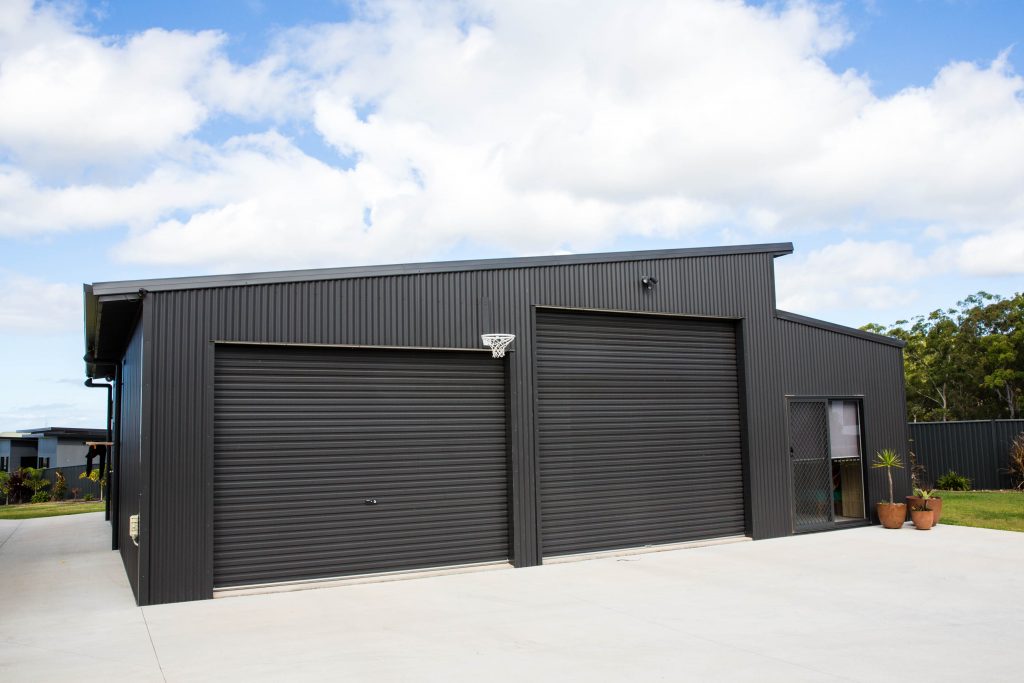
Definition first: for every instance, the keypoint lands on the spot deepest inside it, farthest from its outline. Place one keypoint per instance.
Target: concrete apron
(377, 577)
(834, 606)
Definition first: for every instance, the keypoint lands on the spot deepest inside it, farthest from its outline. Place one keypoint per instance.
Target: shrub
(60, 487)
(35, 481)
(89, 497)
(951, 481)
(16, 488)
(95, 477)
(74, 493)
(1016, 469)
(40, 497)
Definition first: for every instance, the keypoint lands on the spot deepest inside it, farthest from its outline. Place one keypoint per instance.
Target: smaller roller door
(639, 430)
(331, 462)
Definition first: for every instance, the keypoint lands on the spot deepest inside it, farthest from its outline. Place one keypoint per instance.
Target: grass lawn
(988, 509)
(30, 510)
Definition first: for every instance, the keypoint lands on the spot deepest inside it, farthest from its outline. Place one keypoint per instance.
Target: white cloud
(28, 304)
(73, 101)
(523, 127)
(1000, 252)
(849, 275)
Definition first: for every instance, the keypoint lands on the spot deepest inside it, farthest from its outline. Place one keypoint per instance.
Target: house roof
(82, 433)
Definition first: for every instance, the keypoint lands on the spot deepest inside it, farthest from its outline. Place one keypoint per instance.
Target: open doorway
(846, 457)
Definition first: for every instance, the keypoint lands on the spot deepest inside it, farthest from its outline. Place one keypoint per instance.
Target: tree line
(965, 362)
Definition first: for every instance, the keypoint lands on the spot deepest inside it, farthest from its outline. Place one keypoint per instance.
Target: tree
(965, 362)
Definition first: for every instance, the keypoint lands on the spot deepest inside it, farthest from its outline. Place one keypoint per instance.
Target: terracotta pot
(923, 519)
(934, 503)
(891, 515)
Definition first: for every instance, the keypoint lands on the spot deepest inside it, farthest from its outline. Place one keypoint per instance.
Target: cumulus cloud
(524, 127)
(28, 304)
(851, 274)
(1000, 252)
(73, 100)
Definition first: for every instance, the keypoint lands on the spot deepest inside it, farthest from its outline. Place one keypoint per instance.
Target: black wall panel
(829, 364)
(451, 310)
(129, 472)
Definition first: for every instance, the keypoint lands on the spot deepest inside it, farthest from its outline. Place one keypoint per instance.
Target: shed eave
(841, 329)
(105, 289)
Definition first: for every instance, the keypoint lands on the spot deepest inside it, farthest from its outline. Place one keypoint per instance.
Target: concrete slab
(861, 604)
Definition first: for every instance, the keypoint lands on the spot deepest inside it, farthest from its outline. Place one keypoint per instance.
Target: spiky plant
(888, 458)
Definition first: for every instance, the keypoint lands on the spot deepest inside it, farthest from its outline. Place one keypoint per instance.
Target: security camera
(648, 281)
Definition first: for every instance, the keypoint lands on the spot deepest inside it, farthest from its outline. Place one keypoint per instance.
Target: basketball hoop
(497, 343)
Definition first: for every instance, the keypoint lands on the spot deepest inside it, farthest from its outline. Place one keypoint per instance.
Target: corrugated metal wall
(824, 363)
(129, 474)
(978, 449)
(451, 310)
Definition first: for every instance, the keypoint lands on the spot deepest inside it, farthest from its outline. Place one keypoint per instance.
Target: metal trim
(839, 329)
(244, 279)
(379, 347)
(658, 314)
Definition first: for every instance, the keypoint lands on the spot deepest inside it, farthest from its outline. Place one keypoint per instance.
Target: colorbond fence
(978, 449)
(85, 486)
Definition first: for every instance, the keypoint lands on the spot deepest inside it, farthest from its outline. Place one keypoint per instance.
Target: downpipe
(104, 459)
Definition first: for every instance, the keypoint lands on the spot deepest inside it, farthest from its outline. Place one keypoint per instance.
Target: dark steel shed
(306, 425)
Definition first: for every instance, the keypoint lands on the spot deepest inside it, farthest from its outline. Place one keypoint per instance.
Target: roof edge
(101, 289)
(841, 329)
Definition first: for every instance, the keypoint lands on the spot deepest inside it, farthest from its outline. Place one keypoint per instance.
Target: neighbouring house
(47, 447)
(299, 426)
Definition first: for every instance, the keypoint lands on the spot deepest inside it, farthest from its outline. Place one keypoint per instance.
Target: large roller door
(330, 462)
(639, 430)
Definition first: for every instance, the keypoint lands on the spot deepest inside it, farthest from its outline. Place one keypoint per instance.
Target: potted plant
(891, 514)
(919, 498)
(921, 514)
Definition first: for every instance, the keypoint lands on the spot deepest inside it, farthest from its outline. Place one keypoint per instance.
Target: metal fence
(85, 486)
(978, 449)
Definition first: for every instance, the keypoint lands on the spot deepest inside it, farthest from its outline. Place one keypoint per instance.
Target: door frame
(826, 399)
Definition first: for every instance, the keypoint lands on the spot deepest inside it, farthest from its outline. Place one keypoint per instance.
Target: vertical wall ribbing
(442, 310)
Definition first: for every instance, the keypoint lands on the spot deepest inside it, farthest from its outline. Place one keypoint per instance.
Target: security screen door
(811, 463)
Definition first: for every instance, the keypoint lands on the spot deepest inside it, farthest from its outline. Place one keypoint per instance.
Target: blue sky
(885, 139)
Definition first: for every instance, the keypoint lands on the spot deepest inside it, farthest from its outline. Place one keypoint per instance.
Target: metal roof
(132, 287)
(841, 329)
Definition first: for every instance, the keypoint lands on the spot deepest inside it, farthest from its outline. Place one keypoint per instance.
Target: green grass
(989, 509)
(32, 510)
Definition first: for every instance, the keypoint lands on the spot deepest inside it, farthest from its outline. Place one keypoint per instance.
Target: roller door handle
(370, 501)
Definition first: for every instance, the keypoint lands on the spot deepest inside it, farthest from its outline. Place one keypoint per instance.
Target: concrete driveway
(864, 604)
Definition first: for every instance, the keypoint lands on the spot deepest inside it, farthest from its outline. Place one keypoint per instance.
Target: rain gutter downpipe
(105, 459)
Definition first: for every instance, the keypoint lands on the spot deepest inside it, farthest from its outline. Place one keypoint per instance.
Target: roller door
(639, 430)
(331, 462)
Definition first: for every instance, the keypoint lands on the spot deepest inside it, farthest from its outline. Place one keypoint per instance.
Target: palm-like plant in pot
(922, 496)
(922, 514)
(891, 514)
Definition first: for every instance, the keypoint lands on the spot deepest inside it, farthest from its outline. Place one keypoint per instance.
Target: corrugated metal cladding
(129, 466)
(819, 362)
(451, 310)
(638, 430)
(344, 461)
(979, 449)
